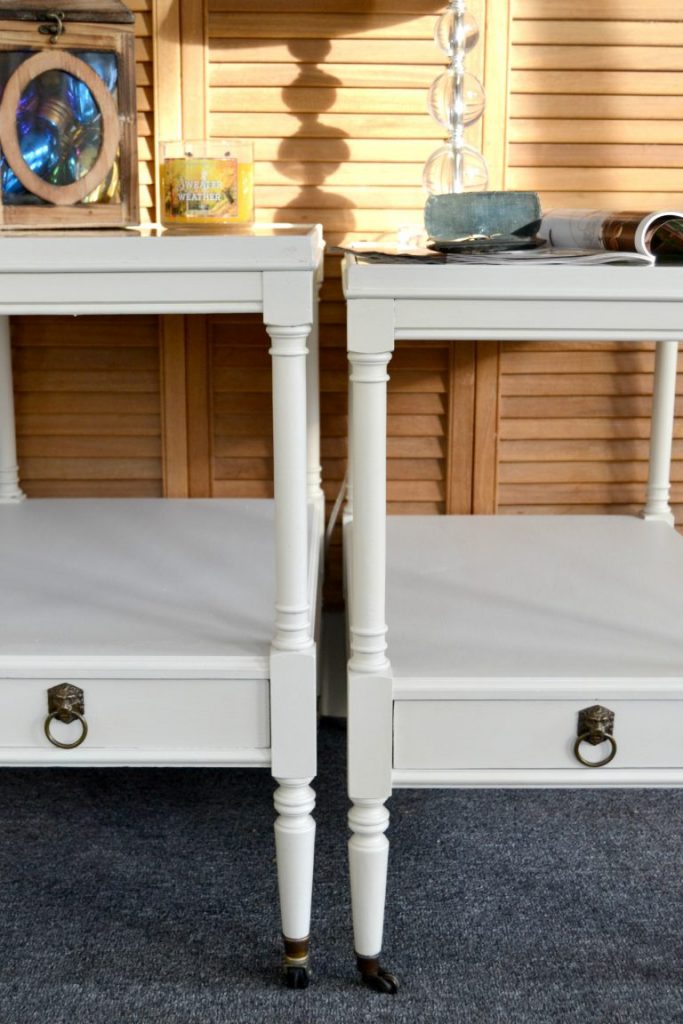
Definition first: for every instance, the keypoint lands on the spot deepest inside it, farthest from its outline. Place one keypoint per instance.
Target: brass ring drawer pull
(58, 743)
(595, 727)
(595, 764)
(67, 704)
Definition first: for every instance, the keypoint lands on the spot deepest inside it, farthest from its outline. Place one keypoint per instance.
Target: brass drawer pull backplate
(66, 703)
(596, 725)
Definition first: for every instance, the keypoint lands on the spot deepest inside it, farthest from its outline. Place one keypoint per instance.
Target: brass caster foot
(375, 977)
(295, 970)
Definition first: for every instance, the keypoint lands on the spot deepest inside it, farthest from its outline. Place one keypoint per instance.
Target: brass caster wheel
(296, 977)
(375, 977)
(295, 970)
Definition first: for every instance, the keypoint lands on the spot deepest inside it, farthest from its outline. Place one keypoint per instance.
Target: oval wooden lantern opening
(59, 195)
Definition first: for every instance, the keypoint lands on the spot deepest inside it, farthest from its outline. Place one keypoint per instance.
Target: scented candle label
(204, 190)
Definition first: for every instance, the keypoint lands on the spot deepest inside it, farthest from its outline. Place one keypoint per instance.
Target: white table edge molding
(390, 302)
(274, 271)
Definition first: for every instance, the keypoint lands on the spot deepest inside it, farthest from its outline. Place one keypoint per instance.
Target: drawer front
(147, 714)
(527, 734)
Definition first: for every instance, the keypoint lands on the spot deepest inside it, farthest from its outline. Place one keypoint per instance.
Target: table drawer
(498, 734)
(149, 714)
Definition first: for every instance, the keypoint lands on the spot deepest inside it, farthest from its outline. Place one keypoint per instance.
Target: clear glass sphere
(455, 168)
(456, 98)
(456, 35)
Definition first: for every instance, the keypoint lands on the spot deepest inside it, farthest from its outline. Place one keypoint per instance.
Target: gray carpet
(149, 896)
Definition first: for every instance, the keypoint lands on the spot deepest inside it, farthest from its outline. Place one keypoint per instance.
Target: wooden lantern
(68, 133)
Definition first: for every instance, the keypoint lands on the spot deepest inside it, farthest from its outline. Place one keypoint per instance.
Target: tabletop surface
(153, 249)
(416, 280)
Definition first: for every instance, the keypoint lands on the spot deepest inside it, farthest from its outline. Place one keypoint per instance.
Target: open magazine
(657, 234)
(373, 252)
(369, 252)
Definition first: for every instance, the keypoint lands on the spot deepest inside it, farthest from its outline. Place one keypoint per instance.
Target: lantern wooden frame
(102, 25)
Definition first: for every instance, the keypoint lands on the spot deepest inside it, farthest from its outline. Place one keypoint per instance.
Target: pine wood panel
(240, 378)
(563, 130)
(174, 410)
(413, 476)
(615, 200)
(585, 33)
(577, 107)
(88, 407)
(601, 83)
(292, 49)
(359, 174)
(603, 10)
(595, 155)
(554, 58)
(303, 100)
(240, 400)
(355, 76)
(144, 49)
(577, 417)
(225, 22)
(609, 407)
(593, 429)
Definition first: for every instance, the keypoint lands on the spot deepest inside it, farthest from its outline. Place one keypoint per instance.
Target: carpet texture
(149, 896)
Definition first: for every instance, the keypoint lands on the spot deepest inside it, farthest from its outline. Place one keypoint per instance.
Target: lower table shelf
(501, 629)
(160, 611)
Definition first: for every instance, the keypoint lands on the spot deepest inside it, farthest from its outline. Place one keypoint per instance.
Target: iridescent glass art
(59, 128)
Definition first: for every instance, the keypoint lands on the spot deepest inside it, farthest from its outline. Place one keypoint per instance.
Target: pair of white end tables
(141, 632)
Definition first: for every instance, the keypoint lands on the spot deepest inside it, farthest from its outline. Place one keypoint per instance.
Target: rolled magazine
(657, 234)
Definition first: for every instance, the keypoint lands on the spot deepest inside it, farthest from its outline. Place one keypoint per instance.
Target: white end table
(522, 650)
(142, 632)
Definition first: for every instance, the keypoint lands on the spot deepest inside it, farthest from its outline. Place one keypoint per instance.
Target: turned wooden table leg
(661, 434)
(294, 846)
(370, 679)
(314, 469)
(9, 470)
(368, 863)
(292, 662)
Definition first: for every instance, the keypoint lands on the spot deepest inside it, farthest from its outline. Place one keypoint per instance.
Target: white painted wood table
(501, 629)
(189, 625)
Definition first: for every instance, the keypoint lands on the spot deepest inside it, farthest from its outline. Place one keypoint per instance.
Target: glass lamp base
(453, 168)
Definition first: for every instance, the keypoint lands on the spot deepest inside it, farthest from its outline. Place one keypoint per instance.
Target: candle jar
(207, 182)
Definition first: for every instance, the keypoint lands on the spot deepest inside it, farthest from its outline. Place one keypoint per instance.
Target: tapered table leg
(370, 682)
(292, 663)
(661, 433)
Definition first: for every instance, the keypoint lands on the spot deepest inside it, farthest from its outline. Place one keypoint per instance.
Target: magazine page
(617, 231)
(662, 235)
(368, 252)
(573, 229)
(553, 256)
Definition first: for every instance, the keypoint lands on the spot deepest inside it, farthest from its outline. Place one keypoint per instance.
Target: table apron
(557, 319)
(129, 292)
